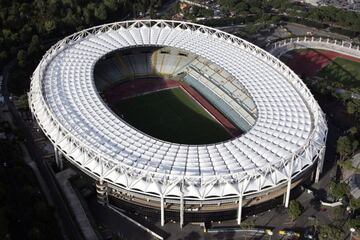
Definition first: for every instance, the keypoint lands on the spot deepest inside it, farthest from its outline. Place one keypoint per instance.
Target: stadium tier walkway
(143, 86)
(137, 87)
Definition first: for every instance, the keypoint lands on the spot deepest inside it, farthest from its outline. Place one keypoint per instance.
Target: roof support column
(102, 192)
(288, 190)
(162, 220)
(320, 164)
(58, 158)
(284, 198)
(240, 208)
(287, 199)
(181, 209)
(29, 102)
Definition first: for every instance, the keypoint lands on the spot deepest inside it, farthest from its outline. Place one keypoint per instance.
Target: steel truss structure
(345, 47)
(287, 138)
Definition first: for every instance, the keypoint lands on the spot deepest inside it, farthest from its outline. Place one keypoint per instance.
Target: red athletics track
(308, 62)
(142, 86)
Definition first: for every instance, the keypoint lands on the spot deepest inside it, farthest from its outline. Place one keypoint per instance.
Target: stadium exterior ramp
(286, 141)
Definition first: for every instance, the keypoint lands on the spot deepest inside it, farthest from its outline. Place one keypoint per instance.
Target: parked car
(289, 233)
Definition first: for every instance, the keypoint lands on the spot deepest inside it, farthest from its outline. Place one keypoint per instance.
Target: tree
(111, 4)
(353, 131)
(337, 213)
(87, 13)
(227, 4)
(347, 164)
(25, 33)
(70, 18)
(314, 223)
(354, 223)
(282, 5)
(3, 56)
(100, 12)
(21, 56)
(338, 190)
(241, 7)
(354, 204)
(330, 232)
(34, 45)
(344, 147)
(295, 209)
(353, 107)
(354, 145)
(152, 13)
(6, 33)
(49, 25)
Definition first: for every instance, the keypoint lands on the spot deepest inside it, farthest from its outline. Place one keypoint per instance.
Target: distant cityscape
(352, 5)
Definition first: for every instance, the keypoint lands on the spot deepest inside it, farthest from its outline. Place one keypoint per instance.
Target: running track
(308, 63)
(142, 86)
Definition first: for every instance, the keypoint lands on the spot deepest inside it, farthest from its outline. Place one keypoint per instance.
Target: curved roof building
(284, 127)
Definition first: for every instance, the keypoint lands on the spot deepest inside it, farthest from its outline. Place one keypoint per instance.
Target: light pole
(269, 232)
(352, 230)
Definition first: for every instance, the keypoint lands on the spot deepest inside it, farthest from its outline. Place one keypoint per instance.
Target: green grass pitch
(173, 116)
(344, 71)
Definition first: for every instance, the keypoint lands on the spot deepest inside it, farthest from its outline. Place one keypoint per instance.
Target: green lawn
(173, 116)
(342, 72)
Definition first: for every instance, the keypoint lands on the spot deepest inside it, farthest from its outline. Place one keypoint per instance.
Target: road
(167, 6)
(71, 228)
(230, 28)
(115, 223)
(303, 30)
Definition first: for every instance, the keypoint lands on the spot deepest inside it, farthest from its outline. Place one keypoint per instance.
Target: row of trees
(342, 191)
(29, 28)
(197, 12)
(324, 232)
(339, 20)
(335, 16)
(24, 213)
(253, 6)
(348, 143)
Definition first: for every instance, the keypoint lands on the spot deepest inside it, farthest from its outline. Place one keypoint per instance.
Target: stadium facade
(284, 128)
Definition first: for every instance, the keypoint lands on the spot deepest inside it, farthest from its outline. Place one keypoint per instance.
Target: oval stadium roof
(290, 127)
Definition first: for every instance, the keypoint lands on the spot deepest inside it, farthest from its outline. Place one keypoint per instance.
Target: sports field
(308, 62)
(171, 115)
(344, 71)
(341, 70)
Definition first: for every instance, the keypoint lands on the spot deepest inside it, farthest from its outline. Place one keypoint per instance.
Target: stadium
(178, 119)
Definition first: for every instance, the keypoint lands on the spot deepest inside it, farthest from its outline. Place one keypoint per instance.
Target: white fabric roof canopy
(287, 113)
